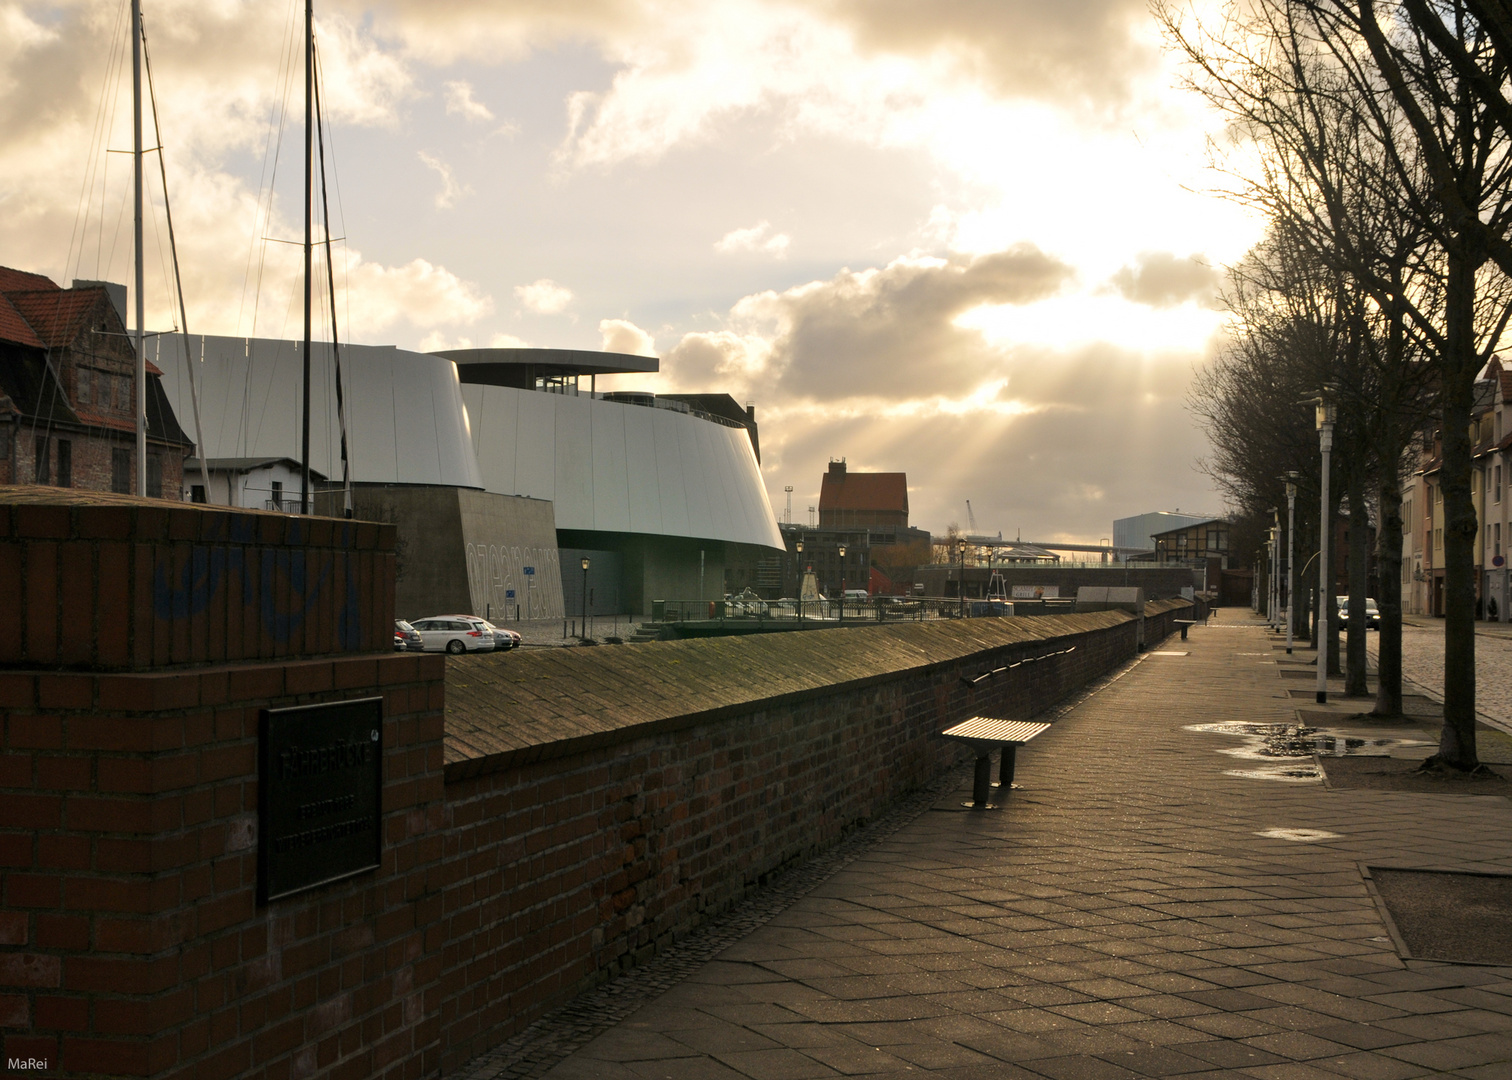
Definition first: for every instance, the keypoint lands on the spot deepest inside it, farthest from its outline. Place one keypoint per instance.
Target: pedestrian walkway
(1139, 909)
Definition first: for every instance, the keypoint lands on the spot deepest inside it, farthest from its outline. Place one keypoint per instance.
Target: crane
(970, 518)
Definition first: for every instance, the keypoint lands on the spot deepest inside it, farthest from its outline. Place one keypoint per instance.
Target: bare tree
(1362, 127)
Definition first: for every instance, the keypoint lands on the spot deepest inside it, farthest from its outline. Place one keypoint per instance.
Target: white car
(454, 634)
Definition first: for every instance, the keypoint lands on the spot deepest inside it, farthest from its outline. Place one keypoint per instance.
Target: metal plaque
(320, 795)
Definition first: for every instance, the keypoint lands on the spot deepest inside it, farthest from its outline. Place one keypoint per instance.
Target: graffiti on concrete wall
(495, 571)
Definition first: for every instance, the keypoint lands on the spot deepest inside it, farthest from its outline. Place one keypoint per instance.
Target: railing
(835, 612)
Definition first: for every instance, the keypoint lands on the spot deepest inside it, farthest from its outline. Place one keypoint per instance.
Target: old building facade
(68, 392)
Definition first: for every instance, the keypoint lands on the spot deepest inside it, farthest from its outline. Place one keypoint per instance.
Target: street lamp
(585, 596)
(842, 582)
(1276, 568)
(799, 547)
(1291, 557)
(1325, 415)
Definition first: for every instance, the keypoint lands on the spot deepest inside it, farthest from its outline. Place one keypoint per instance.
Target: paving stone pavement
(1423, 663)
(1126, 915)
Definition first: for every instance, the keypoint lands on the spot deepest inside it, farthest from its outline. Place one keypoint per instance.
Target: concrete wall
(461, 550)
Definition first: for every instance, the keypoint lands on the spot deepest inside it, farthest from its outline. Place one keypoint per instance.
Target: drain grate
(1453, 916)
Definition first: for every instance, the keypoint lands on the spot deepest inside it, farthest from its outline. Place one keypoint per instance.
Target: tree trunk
(1458, 368)
(1355, 684)
(1389, 562)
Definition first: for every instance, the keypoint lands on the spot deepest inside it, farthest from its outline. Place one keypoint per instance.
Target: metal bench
(986, 734)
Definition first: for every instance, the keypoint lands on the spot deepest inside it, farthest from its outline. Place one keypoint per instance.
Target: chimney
(837, 467)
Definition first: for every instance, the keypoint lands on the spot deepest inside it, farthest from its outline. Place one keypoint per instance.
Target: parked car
(406, 638)
(503, 639)
(454, 634)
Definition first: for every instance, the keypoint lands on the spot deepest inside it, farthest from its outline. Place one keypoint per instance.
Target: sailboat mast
(304, 470)
(141, 307)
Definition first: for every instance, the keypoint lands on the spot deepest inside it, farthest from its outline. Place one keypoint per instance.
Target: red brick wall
(130, 940)
(131, 943)
(559, 872)
(112, 582)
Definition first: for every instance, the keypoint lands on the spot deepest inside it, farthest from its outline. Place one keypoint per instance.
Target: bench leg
(1005, 769)
(1183, 633)
(981, 786)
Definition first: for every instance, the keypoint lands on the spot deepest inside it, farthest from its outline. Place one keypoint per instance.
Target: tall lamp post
(842, 582)
(1270, 565)
(799, 548)
(585, 597)
(1325, 415)
(1291, 558)
(1276, 549)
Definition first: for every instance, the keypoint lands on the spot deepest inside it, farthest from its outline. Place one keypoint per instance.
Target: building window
(65, 463)
(42, 473)
(197, 493)
(83, 377)
(277, 495)
(120, 472)
(155, 475)
(1496, 534)
(1497, 490)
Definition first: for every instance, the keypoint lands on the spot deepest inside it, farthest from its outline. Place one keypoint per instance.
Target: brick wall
(521, 863)
(131, 943)
(96, 581)
(566, 863)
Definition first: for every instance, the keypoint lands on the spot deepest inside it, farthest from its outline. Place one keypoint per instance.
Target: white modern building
(1137, 533)
(500, 467)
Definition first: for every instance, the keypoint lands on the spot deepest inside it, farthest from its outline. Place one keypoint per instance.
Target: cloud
(755, 239)
(1162, 280)
(459, 102)
(623, 336)
(544, 297)
(886, 332)
(1041, 49)
(419, 293)
(451, 190)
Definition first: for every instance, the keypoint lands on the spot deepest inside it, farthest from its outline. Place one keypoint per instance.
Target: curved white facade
(406, 423)
(612, 467)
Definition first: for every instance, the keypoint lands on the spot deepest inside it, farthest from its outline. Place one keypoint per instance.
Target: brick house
(67, 392)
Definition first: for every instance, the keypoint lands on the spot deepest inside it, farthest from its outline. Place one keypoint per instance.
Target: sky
(969, 240)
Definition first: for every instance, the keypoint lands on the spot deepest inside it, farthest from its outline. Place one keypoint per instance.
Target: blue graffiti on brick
(210, 569)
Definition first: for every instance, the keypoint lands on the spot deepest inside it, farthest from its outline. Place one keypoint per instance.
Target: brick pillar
(151, 637)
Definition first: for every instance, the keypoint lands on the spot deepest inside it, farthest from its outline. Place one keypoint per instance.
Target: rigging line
(268, 180)
(119, 61)
(178, 280)
(86, 186)
(325, 212)
(104, 263)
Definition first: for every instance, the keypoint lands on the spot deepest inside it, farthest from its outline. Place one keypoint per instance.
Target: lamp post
(799, 547)
(842, 582)
(585, 597)
(1325, 415)
(1291, 558)
(1276, 565)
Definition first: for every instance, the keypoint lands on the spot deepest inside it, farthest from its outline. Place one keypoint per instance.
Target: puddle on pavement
(1279, 742)
(1301, 836)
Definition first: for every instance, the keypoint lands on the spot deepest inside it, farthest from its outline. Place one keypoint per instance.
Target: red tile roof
(14, 328)
(864, 491)
(57, 315)
(22, 281)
